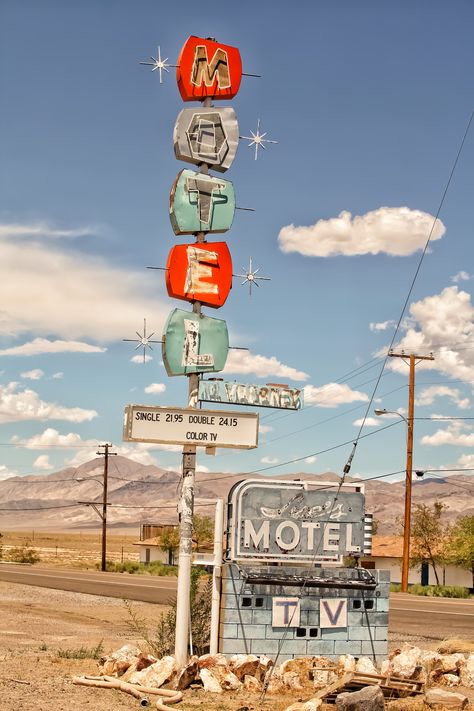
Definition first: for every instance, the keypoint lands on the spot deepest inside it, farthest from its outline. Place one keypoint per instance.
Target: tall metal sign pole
(409, 468)
(200, 273)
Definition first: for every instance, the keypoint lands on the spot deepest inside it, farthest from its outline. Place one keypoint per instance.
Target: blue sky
(368, 102)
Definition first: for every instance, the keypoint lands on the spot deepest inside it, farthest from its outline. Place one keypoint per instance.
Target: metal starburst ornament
(257, 139)
(142, 340)
(159, 64)
(250, 278)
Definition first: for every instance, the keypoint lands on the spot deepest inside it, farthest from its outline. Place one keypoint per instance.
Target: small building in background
(387, 554)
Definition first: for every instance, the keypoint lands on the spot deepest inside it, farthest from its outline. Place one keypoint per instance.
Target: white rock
(252, 684)
(156, 674)
(127, 653)
(467, 672)
(365, 666)
(311, 705)
(346, 663)
(291, 679)
(244, 665)
(452, 662)
(385, 667)
(441, 699)
(323, 677)
(212, 660)
(210, 682)
(403, 665)
(450, 680)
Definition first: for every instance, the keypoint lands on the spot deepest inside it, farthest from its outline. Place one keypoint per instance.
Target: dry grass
(451, 646)
(414, 704)
(73, 550)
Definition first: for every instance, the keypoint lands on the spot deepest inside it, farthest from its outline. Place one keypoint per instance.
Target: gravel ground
(39, 626)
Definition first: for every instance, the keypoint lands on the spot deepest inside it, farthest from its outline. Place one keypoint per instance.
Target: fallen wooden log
(139, 692)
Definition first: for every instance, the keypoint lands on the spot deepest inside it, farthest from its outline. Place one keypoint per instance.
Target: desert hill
(139, 493)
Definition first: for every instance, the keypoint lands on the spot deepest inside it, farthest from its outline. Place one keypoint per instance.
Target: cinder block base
(246, 615)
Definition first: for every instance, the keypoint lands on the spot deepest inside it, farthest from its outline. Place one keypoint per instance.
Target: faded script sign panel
(275, 520)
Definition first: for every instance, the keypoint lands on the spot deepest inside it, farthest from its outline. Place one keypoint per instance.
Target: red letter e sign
(200, 272)
(207, 68)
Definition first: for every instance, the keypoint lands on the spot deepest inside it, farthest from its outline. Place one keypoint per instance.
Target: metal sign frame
(242, 490)
(242, 427)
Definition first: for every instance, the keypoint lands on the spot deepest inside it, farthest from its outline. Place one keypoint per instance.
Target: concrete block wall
(246, 616)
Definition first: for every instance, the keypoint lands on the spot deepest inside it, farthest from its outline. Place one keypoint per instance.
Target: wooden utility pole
(105, 454)
(413, 360)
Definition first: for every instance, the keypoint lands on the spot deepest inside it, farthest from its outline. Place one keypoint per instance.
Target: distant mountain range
(139, 493)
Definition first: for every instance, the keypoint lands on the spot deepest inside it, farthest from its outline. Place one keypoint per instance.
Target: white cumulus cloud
(444, 324)
(368, 422)
(461, 276)
(5, 473)
(261, 366)
(428, 395)
(42, 462)
(58, 376)
(23, 405)
(50, 437)
(455, 434)
(155, 388)
(269, 460)
(397, 231)
(43, 229)
(139, 359)
(35, 374)
(49, 289)
(332, 395)
(43, 345)
(310, 460)
(382, 325)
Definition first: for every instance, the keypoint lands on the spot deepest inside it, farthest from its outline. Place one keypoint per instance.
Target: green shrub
(24, 554)
(135, 568)
(82, 652)
(395, 587)
(161, 641)
(439, 590)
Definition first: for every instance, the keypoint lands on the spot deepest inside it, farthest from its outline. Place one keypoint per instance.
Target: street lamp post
(408, 486)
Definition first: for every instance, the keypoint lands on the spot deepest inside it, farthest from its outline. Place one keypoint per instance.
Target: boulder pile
(218, 674)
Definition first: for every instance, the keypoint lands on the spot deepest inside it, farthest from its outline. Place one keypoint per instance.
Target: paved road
(436, 618)
(145, 588)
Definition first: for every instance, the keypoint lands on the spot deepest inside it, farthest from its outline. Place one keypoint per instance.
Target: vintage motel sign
(193, 343)
(201, 203)
(232, 393)
(201, 271)
(204, 428)
(207, 135)
(296, 521)
(208, 68)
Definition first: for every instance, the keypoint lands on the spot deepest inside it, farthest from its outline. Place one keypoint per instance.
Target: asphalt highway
(432, 618)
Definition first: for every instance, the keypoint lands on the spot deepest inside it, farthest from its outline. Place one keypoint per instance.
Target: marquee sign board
(193, 343)
(295, 522)
(208, 68)
(233, 393)
(201, 271)
(207, 135)
(187, 426)
(201, 203)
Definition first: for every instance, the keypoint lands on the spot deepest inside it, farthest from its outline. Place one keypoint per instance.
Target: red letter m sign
(208, 72)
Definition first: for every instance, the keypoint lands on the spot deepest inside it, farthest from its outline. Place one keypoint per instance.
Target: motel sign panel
(295, 521)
